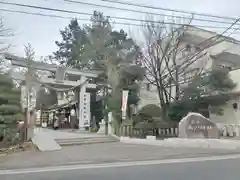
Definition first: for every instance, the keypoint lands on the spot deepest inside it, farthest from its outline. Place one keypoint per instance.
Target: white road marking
(117, 164)
(78, 162)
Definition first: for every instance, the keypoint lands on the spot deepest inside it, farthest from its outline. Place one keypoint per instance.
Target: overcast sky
(42, 32)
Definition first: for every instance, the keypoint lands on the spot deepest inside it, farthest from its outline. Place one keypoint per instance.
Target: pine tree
(210, 90)
(71, 46)
(10, 108)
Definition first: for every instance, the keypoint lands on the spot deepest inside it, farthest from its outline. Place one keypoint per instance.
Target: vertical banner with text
(124, 103)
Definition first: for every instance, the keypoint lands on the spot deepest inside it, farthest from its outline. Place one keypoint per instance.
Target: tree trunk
(164, 113)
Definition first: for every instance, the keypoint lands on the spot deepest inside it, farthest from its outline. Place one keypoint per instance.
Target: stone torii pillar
(84, 120)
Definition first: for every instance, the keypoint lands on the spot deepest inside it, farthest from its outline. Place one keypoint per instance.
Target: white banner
(124, 103)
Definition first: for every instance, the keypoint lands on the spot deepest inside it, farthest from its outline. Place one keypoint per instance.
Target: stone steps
(85, 140)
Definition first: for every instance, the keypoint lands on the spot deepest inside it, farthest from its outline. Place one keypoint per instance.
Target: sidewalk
(226, 144)
(65, 134)
(102, 153)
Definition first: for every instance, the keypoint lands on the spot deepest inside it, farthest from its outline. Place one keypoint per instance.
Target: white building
(226, 54)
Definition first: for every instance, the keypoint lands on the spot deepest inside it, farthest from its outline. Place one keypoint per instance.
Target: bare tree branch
(168, 59)
(4, 46)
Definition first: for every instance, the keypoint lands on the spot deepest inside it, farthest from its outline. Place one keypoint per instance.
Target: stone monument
(195, 125)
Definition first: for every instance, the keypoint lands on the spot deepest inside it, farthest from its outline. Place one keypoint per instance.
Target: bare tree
(171, 62)
(4, 34)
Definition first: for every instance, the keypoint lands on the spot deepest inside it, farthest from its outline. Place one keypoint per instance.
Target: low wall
(230, 130)
(226, 130)
(161, 132)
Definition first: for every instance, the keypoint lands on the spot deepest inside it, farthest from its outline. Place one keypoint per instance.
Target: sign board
(85, 113)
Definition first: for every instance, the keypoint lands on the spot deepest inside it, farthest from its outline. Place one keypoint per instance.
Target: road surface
(183, 169)
(103, 153)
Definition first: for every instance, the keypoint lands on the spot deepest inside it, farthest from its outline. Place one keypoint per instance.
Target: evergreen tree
(71, 46)
(10, 108)
(112, 52)
(210, 90)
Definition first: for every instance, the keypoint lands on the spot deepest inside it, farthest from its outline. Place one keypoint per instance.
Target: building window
(188, 48)
(235, 105)
(148, 86)
(225, 66)
(197, 48)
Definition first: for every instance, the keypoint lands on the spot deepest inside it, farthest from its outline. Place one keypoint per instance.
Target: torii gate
(84, 98)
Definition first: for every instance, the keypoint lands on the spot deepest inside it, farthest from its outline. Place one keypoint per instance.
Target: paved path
(64, 134)
(167, 170)
(102, 153)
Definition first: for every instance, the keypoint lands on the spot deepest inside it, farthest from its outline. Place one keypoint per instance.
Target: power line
(145, 12)
(168, 9)
(37, 14)
(45, 8)
(221, 34)
(86, 19)
(70, 18)
(89, 14)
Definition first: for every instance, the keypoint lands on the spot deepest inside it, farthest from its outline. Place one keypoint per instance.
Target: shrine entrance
(70, 84)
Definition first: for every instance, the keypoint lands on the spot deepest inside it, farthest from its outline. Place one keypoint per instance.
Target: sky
(42, 32)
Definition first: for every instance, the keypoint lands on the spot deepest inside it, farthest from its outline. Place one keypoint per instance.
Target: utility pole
(106, 89)
(28, 83)
(27, 118)
(25, 124)
(25, 104)
(106, 110)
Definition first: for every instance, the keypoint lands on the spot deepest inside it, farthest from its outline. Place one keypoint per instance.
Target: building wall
(147, 95)
(220, 64)
(235, 76)
(230, 114)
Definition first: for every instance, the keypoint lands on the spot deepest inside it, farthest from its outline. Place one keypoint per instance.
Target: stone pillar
(84, 106)
(110, 125)
(80, 110)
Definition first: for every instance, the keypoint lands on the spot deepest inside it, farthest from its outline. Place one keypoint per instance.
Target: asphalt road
(103, 153)
(214, 170)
